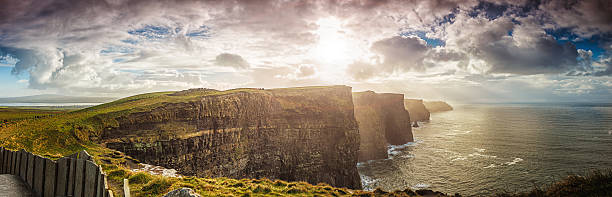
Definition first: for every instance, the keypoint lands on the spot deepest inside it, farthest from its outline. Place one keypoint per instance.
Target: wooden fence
(75, 175)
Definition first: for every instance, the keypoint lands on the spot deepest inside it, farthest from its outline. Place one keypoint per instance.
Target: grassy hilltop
(54, 133)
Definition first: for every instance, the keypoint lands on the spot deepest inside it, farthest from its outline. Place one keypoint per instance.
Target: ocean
(481, 149)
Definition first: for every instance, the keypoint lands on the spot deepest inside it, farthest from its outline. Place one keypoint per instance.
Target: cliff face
(437, 106)
(417, 109)
(294, 134)
(382, 120)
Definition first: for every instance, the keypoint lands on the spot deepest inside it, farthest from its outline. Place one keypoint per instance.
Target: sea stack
(382, 120)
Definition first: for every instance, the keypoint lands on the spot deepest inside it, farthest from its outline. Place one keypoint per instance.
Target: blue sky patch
(151, 32)
(117, 49)
(432, 42)
(564, 35)
(202, 31)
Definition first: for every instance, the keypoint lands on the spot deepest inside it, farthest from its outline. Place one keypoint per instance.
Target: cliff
(437, 106)
(293, 134)
(417, 110)
(382, 120)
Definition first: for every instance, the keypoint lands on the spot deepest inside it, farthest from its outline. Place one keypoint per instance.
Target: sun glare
(332, 47)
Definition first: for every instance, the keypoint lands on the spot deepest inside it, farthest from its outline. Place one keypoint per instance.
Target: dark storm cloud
(586, 17)
(405, 53)
(544, 56)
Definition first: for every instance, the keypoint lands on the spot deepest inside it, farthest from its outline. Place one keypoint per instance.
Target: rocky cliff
(295, 134)
(382, 120)
(417, 110)
(437, 106)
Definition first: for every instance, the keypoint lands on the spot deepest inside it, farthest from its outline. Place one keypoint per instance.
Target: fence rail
(75, 175)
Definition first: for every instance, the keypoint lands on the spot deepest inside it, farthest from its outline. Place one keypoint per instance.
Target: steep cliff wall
(417, 109)
(382, 120)
(437, 106)
(294, 134)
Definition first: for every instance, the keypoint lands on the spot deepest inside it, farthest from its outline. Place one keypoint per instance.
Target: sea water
(480, 149)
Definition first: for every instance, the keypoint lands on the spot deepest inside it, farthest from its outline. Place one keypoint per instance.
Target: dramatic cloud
(586, 18)
(402, 53)
(122, 47)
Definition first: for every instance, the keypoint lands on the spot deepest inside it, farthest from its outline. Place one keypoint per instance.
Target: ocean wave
(397, 147)
(458, 132)
(480, 150)
(367, 182)
(490, 166)
(420, 186)
(515, 161)
(407, 156)
(460, 158)
(359, 164)
(482, 155)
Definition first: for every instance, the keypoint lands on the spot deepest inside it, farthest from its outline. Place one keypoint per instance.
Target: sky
(453, 50)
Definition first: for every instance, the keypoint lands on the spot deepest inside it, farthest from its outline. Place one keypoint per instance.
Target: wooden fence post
(23, 168)
(126, 188)
(63, 167)
(91, 178)
(30, 171)
(50, 178)
(39, 175)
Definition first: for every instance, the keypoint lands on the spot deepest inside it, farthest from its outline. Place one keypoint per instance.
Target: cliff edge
(437, 106)
(294, 134)
(416, 109)
(382, 120)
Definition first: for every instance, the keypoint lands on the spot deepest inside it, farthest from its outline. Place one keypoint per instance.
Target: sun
(333, 45)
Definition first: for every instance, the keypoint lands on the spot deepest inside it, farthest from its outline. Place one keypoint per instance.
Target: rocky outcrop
(294, 134)
(437, 106)
(382, 120)
(417, 110)
(182, 192)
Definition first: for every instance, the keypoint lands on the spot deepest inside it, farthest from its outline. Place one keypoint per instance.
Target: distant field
(10, 114)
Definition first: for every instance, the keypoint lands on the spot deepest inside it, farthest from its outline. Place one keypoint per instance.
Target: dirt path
(11, 185)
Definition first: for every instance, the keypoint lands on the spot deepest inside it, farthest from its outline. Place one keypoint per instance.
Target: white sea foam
(460, 158)
(420, 186)
(398, 147)
(407, 156)
(491, 166)
(480, 150)
(516, 160)
(610, 132)
(482, 155)
(367, 182)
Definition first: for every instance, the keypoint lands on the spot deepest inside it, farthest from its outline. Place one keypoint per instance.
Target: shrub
(140, 178)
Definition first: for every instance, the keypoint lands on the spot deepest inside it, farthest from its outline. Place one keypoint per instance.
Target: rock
(437, 106)
(382, 120)
(293, 134)
(415, 124)
(416, 109)
(182, 192)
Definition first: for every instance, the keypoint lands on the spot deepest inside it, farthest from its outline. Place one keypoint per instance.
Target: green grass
(11, 114)
(594, 183)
